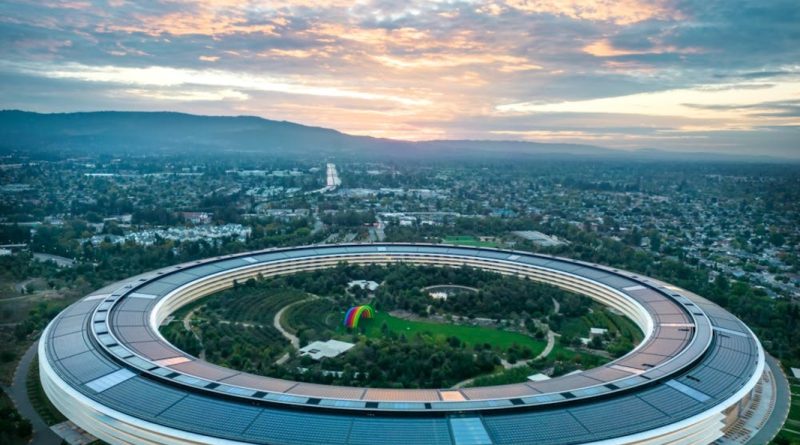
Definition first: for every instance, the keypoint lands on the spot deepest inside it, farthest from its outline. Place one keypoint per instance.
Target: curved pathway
(276, 322)
(780, 412)
(452, 286)
(187, 324)
(18, 392)
(551, 341)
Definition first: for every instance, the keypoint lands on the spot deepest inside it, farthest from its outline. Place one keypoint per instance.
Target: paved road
(778, 416)
(21, 297)
(19, 394)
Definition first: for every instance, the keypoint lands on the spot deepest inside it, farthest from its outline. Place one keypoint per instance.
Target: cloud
(174, 77)
(504, 63)
(212, 18)
(293, 53)
(605, 48)
(620, 72)
(188, 95)
(714, 101)
(621, 12)
(591, 136)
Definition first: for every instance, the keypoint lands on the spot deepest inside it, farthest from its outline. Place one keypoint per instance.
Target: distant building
(325, 349)
(438, 295)
(197, 217)
(595, 332)
(407, 221)
(126, 218)
(363, 284)
(59, 261)
(539, 238)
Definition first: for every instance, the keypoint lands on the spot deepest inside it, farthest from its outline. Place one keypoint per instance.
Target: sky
(686, 75)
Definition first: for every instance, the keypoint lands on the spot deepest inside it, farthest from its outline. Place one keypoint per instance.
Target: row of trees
(398, 362)
(775, 320)
(497, 296)
(235, 328)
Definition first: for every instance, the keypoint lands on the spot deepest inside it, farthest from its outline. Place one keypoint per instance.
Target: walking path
(276, 321)
(187, 324)
(770, 428)
(18, 391)
(551, 341)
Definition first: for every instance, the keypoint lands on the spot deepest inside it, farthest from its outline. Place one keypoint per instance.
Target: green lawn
(794, 410)
(793, 420)
(468, 240)
(793, 438)
(470, 335)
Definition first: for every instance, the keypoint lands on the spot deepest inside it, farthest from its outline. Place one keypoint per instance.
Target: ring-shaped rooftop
(685, 337)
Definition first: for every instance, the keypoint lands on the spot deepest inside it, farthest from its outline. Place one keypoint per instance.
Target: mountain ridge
(164, 132)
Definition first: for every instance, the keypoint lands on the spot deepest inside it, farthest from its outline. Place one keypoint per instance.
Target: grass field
(791, 429)
(468, 240)
(471, 335)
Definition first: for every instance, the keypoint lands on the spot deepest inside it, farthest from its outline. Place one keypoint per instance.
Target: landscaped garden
(487, 329)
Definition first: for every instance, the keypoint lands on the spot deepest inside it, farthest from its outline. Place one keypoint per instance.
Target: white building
(325, 349)
(363, 284)
(596, 332)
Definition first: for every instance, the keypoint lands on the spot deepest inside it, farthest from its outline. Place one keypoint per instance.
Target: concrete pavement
(276, 321)
(781, 410)
(18, 392)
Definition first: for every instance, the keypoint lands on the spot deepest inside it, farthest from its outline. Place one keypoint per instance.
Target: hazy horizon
(716, 77)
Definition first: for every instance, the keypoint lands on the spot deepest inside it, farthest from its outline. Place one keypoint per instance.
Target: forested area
(776, 321)
(399, 362)
(234, 327)
(498, 296)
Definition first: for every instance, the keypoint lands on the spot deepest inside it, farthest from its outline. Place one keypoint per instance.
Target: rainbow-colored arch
(355, 313)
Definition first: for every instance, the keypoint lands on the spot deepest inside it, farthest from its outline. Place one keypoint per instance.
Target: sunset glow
(698, 76)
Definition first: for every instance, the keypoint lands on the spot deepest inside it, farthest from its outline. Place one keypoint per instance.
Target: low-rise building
(325, 349)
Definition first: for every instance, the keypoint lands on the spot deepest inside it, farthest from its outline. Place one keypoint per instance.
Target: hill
(158, 133)
(115, 133)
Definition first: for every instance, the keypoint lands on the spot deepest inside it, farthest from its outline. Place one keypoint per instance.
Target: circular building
(104, 365)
